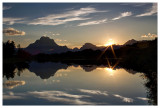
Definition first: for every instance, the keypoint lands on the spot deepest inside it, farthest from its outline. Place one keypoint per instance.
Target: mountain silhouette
(75, 49)
(49, 46)
(91, 46)
(45, 45)
(130, 42)
(88, 46)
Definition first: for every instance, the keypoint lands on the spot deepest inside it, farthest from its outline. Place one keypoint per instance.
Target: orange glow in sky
(110, 42)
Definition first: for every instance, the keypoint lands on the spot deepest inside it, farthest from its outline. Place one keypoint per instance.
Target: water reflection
(73, 97)
(13, 84)
(12, 68)
(58, 71)
(125, 99)
(88, 68)
(46, 70)
(110, 70)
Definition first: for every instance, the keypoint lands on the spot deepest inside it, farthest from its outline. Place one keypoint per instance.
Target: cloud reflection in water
(60, 96)
(97, 92)
(124, 99)
(13, 84)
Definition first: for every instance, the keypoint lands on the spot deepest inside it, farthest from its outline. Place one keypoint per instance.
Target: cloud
(124, 14)
(13, 32)
(55, 34)
(52, 21)
(142, 98)
(149, 12)
(72, 15)
(149, 35)
(11, 21)
(60, 40)
(55, 19)
(13, 84)
(51, 33)
(96, 92)
(60, 96)
(6, 7)
(125, 99)
(93, 22)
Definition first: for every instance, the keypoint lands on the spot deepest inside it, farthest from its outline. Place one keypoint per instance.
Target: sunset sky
(74, 24)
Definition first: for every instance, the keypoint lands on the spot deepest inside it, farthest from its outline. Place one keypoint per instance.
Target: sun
(109, 43)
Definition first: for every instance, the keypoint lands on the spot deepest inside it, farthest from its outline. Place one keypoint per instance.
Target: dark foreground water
(60, 84)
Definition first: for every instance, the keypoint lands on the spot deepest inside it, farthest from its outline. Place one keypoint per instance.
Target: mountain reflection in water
(84, 95)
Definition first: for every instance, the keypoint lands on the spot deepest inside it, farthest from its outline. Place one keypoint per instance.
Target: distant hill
(94, 47)
(45, 45)
(75, 49)
(89, 46)
(130, 42)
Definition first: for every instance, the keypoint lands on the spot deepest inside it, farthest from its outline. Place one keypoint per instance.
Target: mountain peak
(46, 41)
(130, 42)
(45, 45)
(88, 46)
(44, 37)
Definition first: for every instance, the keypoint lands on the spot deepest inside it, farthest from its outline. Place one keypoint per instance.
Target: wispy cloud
(51, 34)
(6, 7)
(93, 22)
(122, 15)
(72, 15)
(13, 32)
(149, 12)
(60, 40)
(149, 35)
(55, 34)
(13, 84)
(142, 98)
(96, 92)
(52, 21)
(125, 99)
(11, 21)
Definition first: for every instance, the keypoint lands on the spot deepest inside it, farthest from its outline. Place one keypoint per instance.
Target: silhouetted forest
(141, 57)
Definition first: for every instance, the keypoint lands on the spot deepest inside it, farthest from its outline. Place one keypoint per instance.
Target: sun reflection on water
(110, 71)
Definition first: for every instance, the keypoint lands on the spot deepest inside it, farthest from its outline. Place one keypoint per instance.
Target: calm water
(60, 84)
